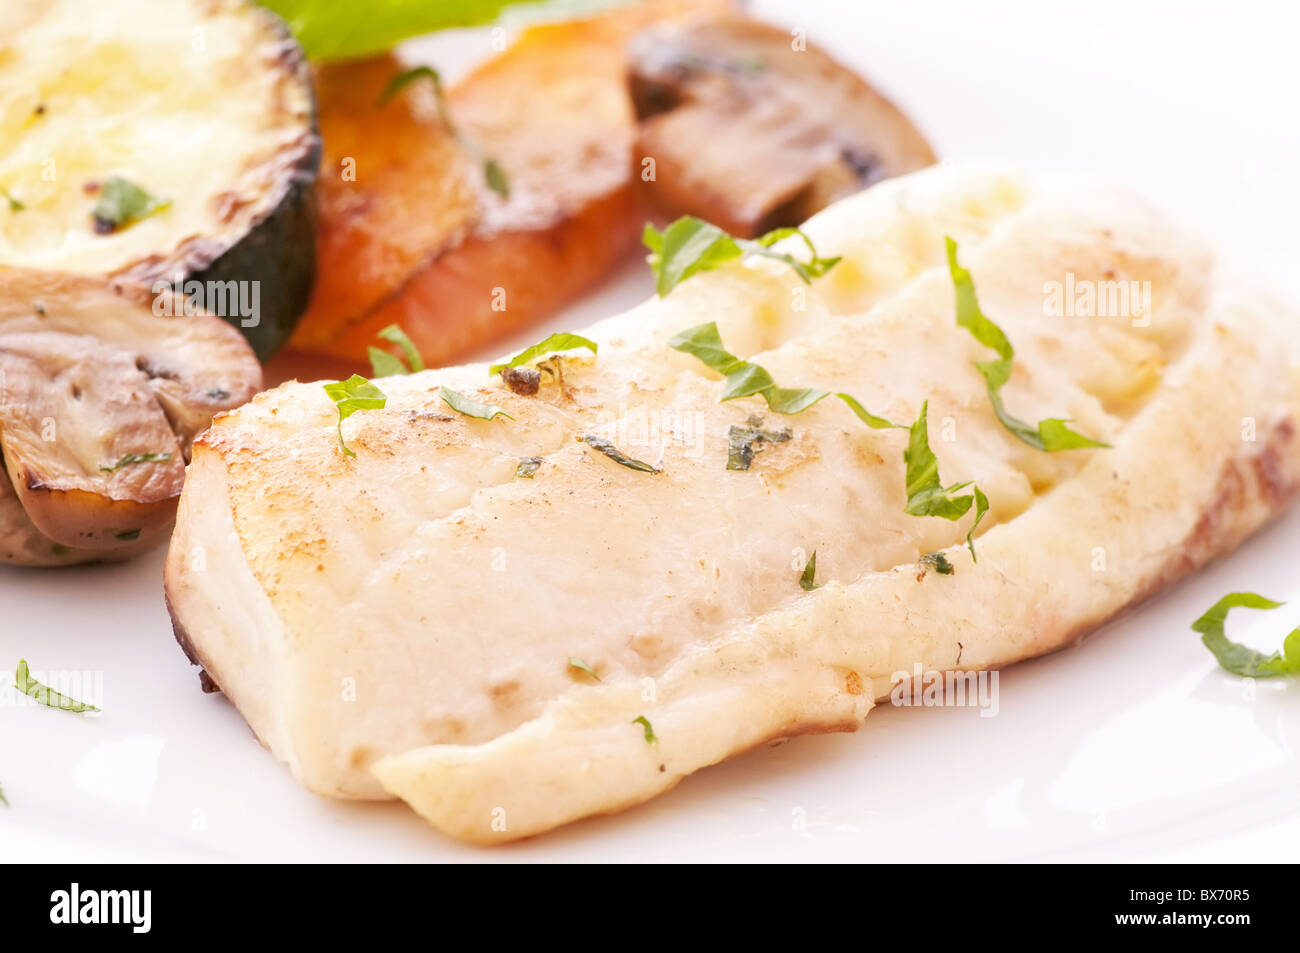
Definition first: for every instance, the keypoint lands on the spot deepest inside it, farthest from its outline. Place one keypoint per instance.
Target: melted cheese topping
(183, 99)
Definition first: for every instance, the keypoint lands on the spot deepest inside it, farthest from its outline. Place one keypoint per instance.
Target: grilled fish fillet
(401, 623)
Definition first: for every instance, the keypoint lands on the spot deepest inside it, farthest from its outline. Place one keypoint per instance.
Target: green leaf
(45, 695)
(1050, 434)
(744, 442)
(743, 379)
(582, 666)
(14, 204)
(1240, 659)
(689, 246)
(385, 364)
(355, 393)
(809, 573)
(617, 455)
(981, 507)
(329, 29)
(527, 466)
(938, 562)
(470, 408)
(131, 458)
(650, 738)
(926, 494)
(3, 800)
(123, 203)
(559, 341)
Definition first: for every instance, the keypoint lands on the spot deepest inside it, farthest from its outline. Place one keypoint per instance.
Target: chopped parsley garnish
(926, 494)
(617, 455)
(14, 204)
(45, 695)
(527, 467)
(355, 393)
(123, 203)
(644, 722)
(131, 458)
(744, 442)
(582, 666)
(743, 379)
(493, 174)
(689, 246)
(1241, 659)
(809, 573)
(560, 341)
(938, 562)
(386, 364)
(3, 800)
(470, 408)
(1050, 434)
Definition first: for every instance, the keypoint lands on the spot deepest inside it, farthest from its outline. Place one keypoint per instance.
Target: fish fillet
(401, 623)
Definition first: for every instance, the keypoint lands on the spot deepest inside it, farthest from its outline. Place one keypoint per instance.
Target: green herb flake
(744, 442)
(937, 562)
(123, 203)
(743, 379)
(582, 666)
(809, 573)
(617, 455)
(132, 458)
(926, 494)
(3, 800)
(560, 341)
(689, 246)
(14, 204)
(1051, 434)
(469, 407)
(45, 695)
(386, 364)
(644, 722)
(355, 393)
(1241, 659)
(495, 177)
(527, 467)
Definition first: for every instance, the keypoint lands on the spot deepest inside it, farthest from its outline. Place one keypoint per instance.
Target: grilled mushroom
(101, 395)
(751, 130)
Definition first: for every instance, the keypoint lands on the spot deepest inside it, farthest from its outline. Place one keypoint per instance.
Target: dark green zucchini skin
(279, 248)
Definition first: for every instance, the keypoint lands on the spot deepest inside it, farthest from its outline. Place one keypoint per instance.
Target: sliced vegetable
(102, 397)
(45, 695)
(690, 245)
(355, 393)
(1241, 659)
(199, 173)
(750, 132)
(1050, 434)
(559, 341)
(617, 455)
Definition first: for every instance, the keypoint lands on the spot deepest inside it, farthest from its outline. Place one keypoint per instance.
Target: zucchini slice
(103, 394)
(162, 141)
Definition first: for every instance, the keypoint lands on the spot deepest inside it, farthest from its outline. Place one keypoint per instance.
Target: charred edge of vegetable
(279, 248)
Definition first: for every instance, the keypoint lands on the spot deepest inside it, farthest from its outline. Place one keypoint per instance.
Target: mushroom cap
(751, 130)
(104, 385)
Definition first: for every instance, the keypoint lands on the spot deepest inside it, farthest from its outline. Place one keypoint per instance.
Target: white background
(1132, 745)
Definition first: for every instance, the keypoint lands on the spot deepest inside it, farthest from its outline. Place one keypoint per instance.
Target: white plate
(1130, 745)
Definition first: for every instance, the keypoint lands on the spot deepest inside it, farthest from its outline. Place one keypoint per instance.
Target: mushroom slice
(101, 396)
(752, 132)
